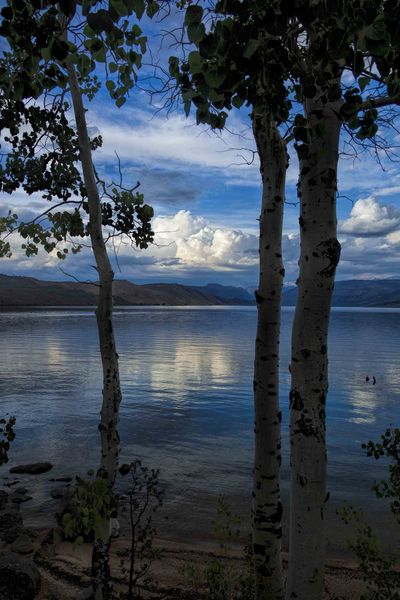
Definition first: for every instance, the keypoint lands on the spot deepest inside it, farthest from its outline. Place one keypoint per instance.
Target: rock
(32, 469)
(19, 498)
(63, 479)
(124, 469)
(10, 525)
(19, 577)
(23, 544)
(21, 490)
(11, 483)
(3, 499)
(58, 492)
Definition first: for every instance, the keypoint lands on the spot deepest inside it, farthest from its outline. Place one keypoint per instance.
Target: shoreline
(65, 569)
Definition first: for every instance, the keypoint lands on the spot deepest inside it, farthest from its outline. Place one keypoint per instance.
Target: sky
(205, 189)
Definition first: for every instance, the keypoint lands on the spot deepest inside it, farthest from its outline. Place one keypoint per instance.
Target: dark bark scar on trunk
(331, 250)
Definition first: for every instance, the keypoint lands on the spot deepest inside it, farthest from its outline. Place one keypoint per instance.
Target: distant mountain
(27, 291)
(358, 292)
(233, 295)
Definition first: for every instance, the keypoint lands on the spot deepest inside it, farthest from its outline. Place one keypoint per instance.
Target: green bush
(88, 510)
(378, 565)
(225, 577)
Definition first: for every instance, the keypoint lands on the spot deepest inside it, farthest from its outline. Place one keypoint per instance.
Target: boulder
(22, 545)
(19, 577)
(58, 492)
(124, 469)
(19, 498)
(11, 525)
(32, 469)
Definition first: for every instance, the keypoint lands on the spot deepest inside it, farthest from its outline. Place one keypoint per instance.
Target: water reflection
(187, 393)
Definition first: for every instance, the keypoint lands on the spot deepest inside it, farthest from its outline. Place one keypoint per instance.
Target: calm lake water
(187, 398)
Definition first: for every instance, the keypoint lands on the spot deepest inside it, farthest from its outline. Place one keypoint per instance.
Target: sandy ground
(65, 570)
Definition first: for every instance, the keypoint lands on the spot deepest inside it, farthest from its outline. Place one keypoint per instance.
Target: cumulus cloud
(369, 217)
(195, 242)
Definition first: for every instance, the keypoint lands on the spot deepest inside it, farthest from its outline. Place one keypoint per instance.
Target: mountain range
(27, 291)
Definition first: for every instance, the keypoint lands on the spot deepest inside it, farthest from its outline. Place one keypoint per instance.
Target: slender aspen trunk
(267, 507)
(111, 383)
(319, 256)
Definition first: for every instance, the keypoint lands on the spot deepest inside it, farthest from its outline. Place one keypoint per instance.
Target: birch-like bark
(266, 506)
(111, 382)
(319, 256)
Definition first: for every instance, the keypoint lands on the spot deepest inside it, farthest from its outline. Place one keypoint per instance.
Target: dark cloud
(167, 188)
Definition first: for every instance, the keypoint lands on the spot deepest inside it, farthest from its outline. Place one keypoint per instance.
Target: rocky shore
(36, 564)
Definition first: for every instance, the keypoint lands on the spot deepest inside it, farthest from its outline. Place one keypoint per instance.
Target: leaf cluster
(128, 214)
(40, 46)
(90, 505)
(377, 565)
(41, 149)
(388, 447)
(378, 568)
(268, 55)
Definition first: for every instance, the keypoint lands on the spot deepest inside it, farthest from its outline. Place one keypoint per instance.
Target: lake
(187, 399)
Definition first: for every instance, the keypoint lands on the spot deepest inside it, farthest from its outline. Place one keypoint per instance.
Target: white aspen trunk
(111, 382)
(266, 506)
(319, 256)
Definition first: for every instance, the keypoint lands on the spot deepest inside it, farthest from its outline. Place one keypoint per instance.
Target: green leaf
(113, 67)
(119, 7)
(215, 77)
(193, 14)
(100, 21)
(110, 85)
(237, 101)
(196, 32)
(377, 31)
(152, 9)
(68, 7)
(250, 48)
(46, 53)
(173, 66)
(143, 43)
(363, 82)
(138, 6)
(120, 101)
(59, 49)
(196, 63)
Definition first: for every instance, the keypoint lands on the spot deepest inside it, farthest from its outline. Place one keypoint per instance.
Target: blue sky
(207, 199)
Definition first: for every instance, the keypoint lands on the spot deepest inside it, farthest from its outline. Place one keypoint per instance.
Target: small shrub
(90, 505)
(377, 565)
(224, 577)
(138, 504)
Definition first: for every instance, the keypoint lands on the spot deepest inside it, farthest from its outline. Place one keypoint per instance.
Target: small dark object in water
(367, 378)
(373, 380)
(124, 469)
(32, 469)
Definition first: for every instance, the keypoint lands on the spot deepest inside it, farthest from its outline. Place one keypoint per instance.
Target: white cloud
(369, 217)
(160, 142)
(194, 242)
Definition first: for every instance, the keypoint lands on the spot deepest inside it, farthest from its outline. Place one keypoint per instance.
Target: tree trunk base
(101, 576)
